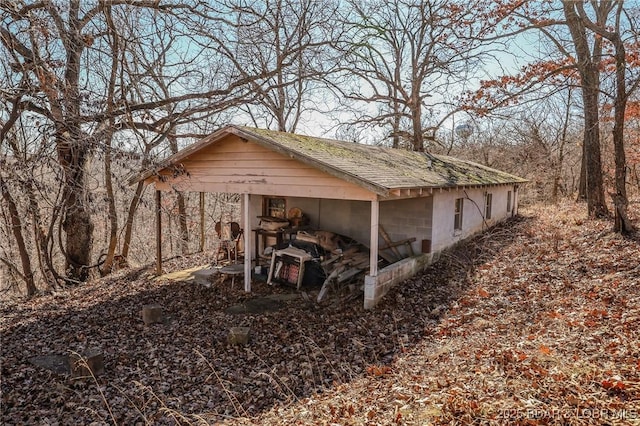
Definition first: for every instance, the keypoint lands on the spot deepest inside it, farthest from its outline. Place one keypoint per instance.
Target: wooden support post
(246, 219)
(375, 222)
(158, 233)
(202, 236)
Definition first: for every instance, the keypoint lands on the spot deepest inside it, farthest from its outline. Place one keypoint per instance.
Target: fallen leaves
(376, 370)
(613, 383)
(545, 350)
(528, 323)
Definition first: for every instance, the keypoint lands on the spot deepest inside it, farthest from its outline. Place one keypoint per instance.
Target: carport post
(247, 241)
(202, 235)
(158, 233)
(375, 222)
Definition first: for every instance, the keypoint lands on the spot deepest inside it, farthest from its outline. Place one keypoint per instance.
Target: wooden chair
(229, 241)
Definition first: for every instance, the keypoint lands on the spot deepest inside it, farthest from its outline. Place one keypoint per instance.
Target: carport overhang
(247, 214)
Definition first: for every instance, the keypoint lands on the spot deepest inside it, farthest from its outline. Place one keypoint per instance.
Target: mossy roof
(376, 168)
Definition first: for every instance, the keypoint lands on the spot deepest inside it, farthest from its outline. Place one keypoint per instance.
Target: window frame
(268, 208)
(458, 214)
(488, 204)
(509, 202)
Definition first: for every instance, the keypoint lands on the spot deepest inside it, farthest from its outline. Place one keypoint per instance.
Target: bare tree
(577, 53)
(405, 55)
(540, 141)
(16, 226)
(78, 67)
(289, 42)
(27, 33)
(614, 33)
(588, 65)
(547, 134)
(24, 160)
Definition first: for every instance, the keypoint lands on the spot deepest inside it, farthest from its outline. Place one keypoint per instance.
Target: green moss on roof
(380, 166)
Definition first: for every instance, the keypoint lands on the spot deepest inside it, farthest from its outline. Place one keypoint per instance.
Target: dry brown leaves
(534, 322)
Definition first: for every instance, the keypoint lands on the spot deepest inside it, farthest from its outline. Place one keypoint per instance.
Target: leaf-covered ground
(534, 322)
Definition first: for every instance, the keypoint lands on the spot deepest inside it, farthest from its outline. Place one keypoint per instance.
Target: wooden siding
(237, 166)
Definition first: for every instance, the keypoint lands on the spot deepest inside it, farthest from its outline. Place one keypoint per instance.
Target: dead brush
(140, 408)
(237, 405)
(340, 377)
(285, 390)
(163, 409)
(82, 361)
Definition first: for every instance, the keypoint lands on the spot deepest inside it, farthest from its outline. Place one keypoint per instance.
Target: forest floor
(533, 322)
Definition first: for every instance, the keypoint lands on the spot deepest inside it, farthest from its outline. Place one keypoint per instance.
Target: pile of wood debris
(342, 260)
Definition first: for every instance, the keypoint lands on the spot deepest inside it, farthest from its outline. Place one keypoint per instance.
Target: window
(509, 202)
(487, 206)
(275, 207)
(457, 217)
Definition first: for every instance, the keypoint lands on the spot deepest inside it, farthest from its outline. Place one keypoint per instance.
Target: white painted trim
(375, 223)
(247, 241)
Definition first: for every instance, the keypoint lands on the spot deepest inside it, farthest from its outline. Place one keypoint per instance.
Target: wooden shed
(346, 187)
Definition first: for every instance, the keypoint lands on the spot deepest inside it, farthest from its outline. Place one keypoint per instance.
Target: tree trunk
(113, 213)
(596, 205)
(77, 223)
(182, 205)
(395, 138)
(587, 64)
(79, 230)
(72, 148)
(16, 226)
(107, 266)
(621, 222)
(128, 226)
(416, 115)
(43, 240)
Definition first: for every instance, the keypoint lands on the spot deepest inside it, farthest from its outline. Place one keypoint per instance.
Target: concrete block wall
(401, 218)
(407, 218)
(375, 288)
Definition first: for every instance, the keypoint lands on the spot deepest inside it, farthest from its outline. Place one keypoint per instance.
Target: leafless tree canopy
(93, 91)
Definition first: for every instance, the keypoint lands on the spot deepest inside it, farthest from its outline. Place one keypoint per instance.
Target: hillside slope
(534, 322)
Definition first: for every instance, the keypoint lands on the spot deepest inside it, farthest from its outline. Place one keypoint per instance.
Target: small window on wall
(509, 202)
(457, 217)
(275, 207)
(487, 206)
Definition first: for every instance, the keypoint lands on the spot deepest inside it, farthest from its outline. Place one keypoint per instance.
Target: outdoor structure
(345, 187)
